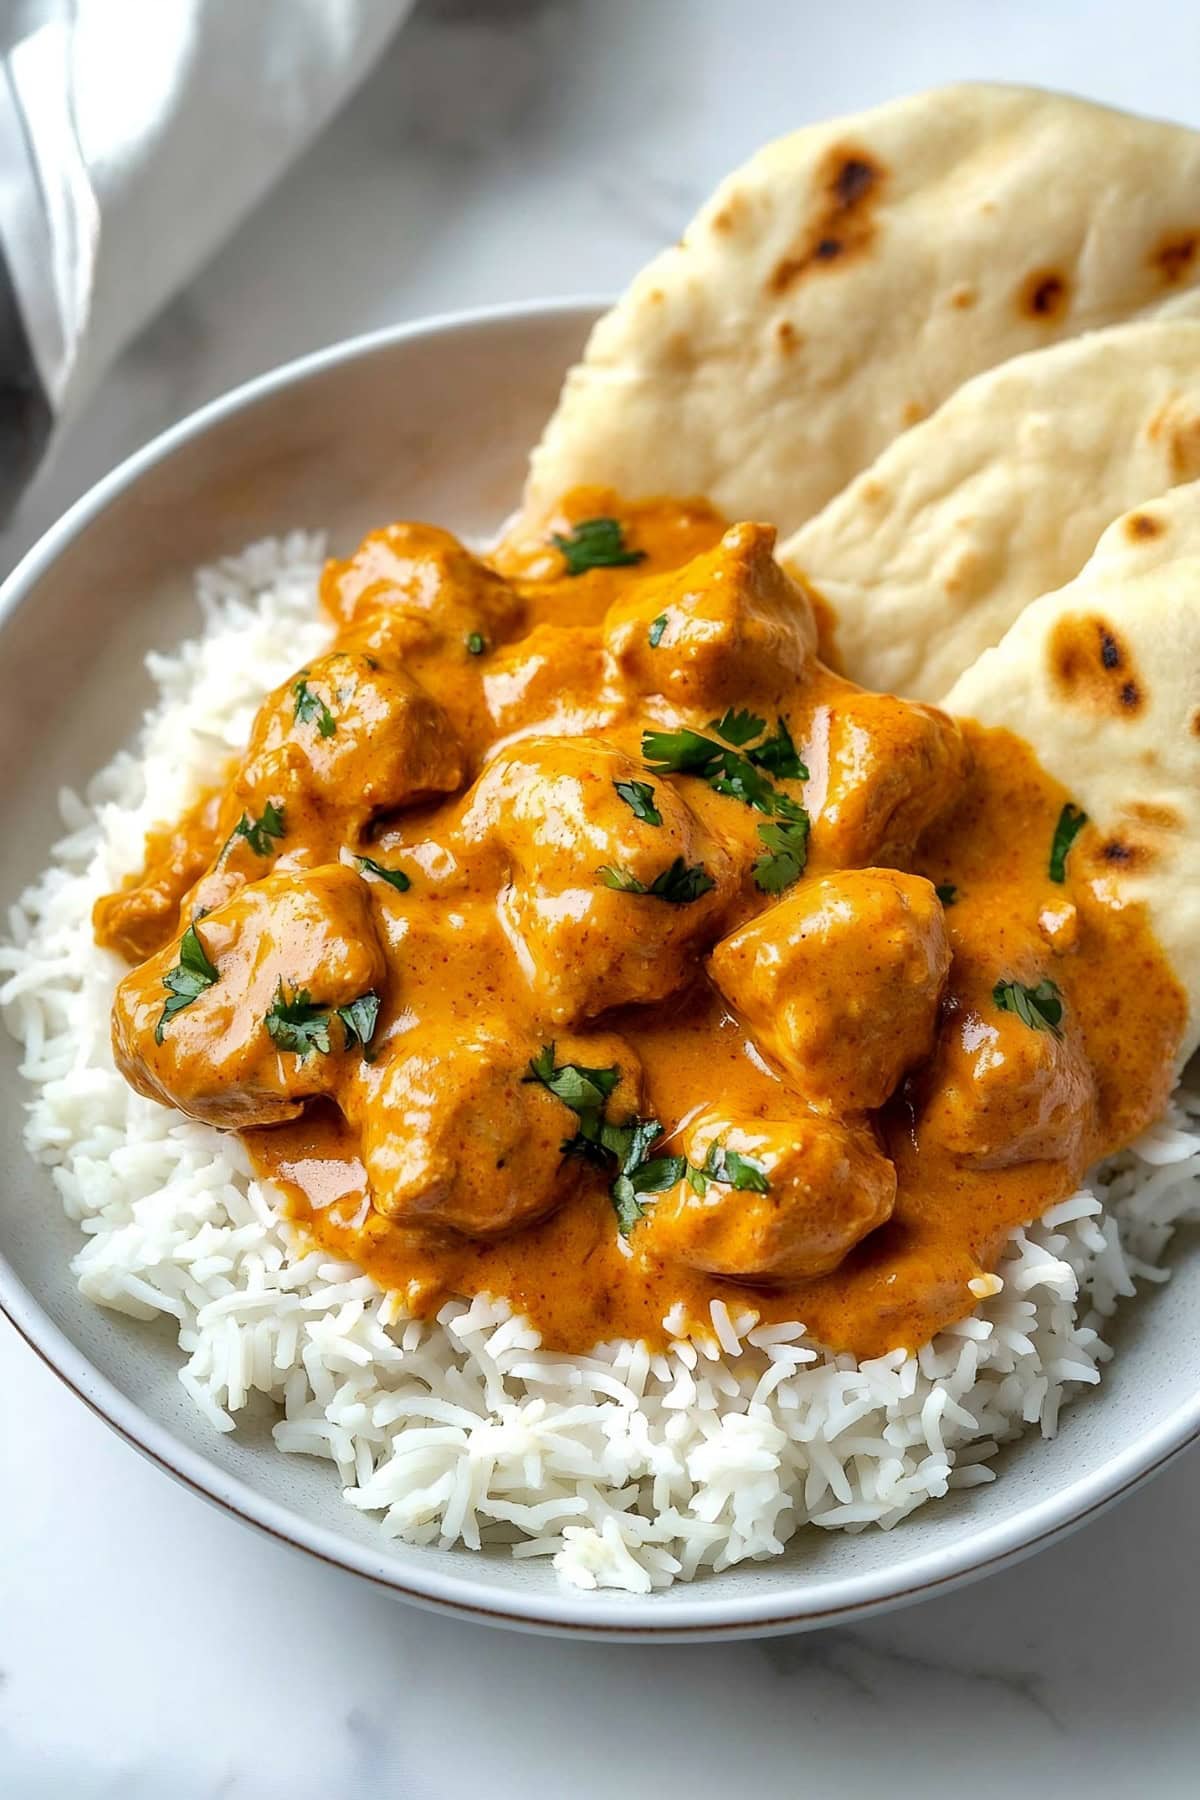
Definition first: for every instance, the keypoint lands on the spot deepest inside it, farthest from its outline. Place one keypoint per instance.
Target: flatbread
(849, 278)
(1102, 678)
(931, 553)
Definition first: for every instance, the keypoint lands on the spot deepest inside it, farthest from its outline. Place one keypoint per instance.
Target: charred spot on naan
(850, 182)
(1091, 665)
(1174, 255)
(1044, 295)
(1140, 525)
(1178, 425)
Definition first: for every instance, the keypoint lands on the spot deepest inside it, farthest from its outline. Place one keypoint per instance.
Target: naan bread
(841, 285)
(931, 553)
(1102, 678)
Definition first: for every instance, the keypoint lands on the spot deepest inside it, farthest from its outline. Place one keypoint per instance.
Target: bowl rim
(798, 1605)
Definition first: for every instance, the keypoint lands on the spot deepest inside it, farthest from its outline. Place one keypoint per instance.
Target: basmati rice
(629, 1468)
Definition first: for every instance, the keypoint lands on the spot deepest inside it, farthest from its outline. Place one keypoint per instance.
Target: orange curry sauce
(988, 1118)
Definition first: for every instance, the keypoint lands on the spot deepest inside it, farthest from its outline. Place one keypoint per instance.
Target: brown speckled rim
(551, 1610)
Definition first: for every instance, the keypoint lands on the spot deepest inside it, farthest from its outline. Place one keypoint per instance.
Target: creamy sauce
(888, 784)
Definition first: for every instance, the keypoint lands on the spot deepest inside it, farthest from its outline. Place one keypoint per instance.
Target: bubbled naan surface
(844, 282)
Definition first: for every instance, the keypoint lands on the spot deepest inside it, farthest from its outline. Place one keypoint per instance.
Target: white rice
(629, 1469)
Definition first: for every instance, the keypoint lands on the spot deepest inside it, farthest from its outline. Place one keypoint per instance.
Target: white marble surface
(150, 1648)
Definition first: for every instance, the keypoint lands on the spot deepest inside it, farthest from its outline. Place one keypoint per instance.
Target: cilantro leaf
(680, 884)
(639, 798)
(476, 643)
(297, 1025)
(359, 1020)
(310, 707)
(655, 634)
(682, 752)
(738, 728)
(778, 756)
(187, 980)
(947, 893)
(596, 544)
(394, 877)
(1040, 1007)
(1071, 821)
(260, 833)
(621, 1150)
(787, 854)
(576, 1086)
(731, 1169)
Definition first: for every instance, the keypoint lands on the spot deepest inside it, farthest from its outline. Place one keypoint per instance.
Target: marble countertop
(151, 1648)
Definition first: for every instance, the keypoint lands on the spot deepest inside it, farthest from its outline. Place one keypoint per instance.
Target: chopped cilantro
(187, 980)
(297, 1025)
(260, 833)
(394, 877)
(680, 884)
(476, 643)
(655, 633)
(731, 1169)
(738, 728)
(777, 755)
(310, 707)
(1039, 1007)
(596, 544)
(620, 1150)
(1071, 821)
(787, 853)
(639, 798)
(359, 1020)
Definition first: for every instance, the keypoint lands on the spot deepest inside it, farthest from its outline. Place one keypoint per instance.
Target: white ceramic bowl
(430, 421)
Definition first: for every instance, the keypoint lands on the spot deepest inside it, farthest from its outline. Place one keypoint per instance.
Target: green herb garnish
(655, 633)
(297, 1025)
(620, 1150)
(1071, 821)
(639, 798)
(394, 877)
(1039, 1007)
(746, 777)
(187, 980)
(730, 1168)
(476, 643)
(787, 854)
(261, 833)
(596, 544)
(359, 1020)
(738, 728)
(680, 884)
(310, 707)
(947, 893)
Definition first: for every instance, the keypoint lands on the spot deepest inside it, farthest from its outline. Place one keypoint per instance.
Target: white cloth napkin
(134, 136)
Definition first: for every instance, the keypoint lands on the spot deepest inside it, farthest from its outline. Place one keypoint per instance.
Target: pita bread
(849, 278)
(1102, 678)
(930, 554)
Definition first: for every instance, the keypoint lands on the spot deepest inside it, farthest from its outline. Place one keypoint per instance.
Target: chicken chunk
(790, 1196)
(727, 624)
(458, 1134)
(236, 1024)
(425, 573)
(350, 735)
(841, 982)
(551, 681)
(603, 903)
(1002, 1092)
(892, 769)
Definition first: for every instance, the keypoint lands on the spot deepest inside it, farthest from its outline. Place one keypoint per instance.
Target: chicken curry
(570, 932)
